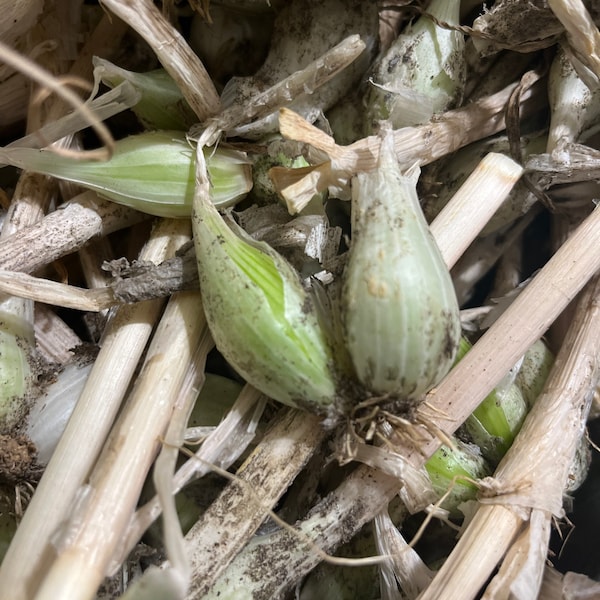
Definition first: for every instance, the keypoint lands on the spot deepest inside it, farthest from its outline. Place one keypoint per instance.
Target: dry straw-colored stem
(582, 33)
(234, 429)
(174, 53)
(113, 489)
(166, 462)
(64, 231)
(269, 470)
(527, 488)
(52, 292)
(123, 344)
(474, 204)
(335, 165)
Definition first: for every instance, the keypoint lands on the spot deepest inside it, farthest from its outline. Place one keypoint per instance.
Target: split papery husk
(523, 26)
(309, 233)
(405, 567)
(331, 21)
(517, 25)
(334, 165)
(568, 586)
(569, 163)
(417, 491)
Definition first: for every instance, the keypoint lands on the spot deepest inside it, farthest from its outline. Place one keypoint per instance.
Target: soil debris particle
(17, 458)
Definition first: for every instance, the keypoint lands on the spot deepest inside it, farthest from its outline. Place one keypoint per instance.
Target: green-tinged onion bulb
(495, 423)
(422, 73)
(261, 318)
(16, 376)
(534, 371)
(152, 172)
(452, 468)
(400, 312)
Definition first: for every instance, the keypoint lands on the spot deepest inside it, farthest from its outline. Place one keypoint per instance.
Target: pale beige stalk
(526, 491)
(269, 470)
(55, 293)
(335, 165)
(54, 339)
(177, 575)
(582, 33)
(64, 231)
(492, 180)
(171, 49)
(122, 346)
(222, 447)
(113, 488)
